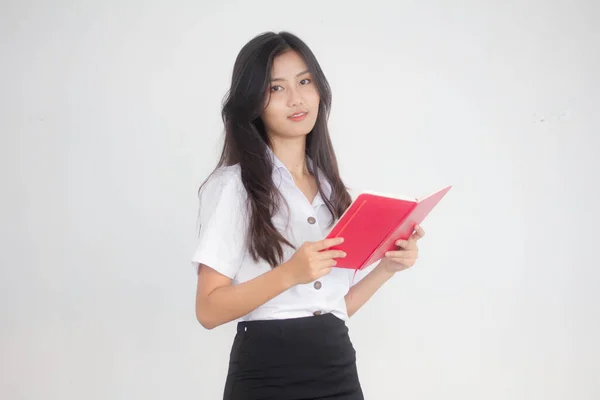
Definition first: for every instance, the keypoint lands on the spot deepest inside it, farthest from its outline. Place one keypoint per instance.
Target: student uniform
(295, 346)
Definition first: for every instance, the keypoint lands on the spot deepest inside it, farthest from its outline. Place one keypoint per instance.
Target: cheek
(313, 98)
(273, 114)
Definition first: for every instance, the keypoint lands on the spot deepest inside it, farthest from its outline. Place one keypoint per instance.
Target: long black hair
(246, 139)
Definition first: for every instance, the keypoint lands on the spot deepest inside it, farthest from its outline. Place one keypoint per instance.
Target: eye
(305, 81)
(276, 88)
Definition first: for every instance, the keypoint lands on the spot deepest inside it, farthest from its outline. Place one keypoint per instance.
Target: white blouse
(221, 243)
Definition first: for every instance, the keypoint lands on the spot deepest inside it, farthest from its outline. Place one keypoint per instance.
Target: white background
(110, 120)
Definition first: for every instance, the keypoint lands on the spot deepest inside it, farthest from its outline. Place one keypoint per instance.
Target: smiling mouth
(298, 116)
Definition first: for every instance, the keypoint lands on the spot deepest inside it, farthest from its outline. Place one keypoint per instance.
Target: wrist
(286, 275)
(386, 267)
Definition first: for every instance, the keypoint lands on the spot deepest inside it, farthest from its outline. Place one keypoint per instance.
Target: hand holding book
(312, 261)
(407, 253)
(376, 224)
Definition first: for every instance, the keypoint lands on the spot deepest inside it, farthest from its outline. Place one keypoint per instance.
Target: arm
(361, 292)
(219, 302)
(394, 261)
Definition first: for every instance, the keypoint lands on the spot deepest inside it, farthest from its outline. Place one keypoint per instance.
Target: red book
(374, 222)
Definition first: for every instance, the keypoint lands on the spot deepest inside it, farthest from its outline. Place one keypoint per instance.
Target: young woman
(264, 212)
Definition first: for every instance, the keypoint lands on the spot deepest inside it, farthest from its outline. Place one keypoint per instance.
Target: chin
(302, 132)
(294, 129)
(302, 128)
(296, 133)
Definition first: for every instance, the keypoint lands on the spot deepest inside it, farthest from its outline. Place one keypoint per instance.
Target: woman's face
(292, 103)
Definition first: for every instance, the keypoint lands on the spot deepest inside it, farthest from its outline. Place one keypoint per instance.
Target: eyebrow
(297, 75)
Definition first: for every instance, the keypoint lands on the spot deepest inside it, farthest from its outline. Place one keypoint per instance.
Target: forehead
(287, 65)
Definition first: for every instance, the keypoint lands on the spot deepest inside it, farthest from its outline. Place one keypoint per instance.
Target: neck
(292, 153)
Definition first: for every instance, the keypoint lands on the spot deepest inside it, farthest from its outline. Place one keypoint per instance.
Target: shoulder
(223, 193)
(225, 181)
(222, 222)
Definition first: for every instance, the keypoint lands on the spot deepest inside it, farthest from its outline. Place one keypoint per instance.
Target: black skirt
(300, 358)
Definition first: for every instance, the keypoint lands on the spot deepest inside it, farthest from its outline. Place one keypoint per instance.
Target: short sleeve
(222, 224)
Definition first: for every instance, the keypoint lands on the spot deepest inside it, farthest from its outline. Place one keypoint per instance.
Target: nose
(294, 97)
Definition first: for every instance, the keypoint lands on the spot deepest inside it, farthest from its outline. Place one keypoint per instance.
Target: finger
(418, 233)
(327, 243)
(402, 243)
(324, 266)
(324, 271)
(330, 254)
(401, 254)
(402, 264)
(407, 245)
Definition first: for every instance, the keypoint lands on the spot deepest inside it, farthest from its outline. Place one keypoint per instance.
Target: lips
(299, 116)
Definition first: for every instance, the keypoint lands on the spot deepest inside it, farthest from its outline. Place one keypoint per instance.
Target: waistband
(299, 324)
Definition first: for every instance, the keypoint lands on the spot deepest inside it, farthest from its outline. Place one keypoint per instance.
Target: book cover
(373, 222)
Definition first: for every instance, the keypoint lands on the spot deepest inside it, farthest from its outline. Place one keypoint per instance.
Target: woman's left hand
(407, 254)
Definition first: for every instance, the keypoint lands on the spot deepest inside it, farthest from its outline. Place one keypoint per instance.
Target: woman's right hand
(312, 261)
